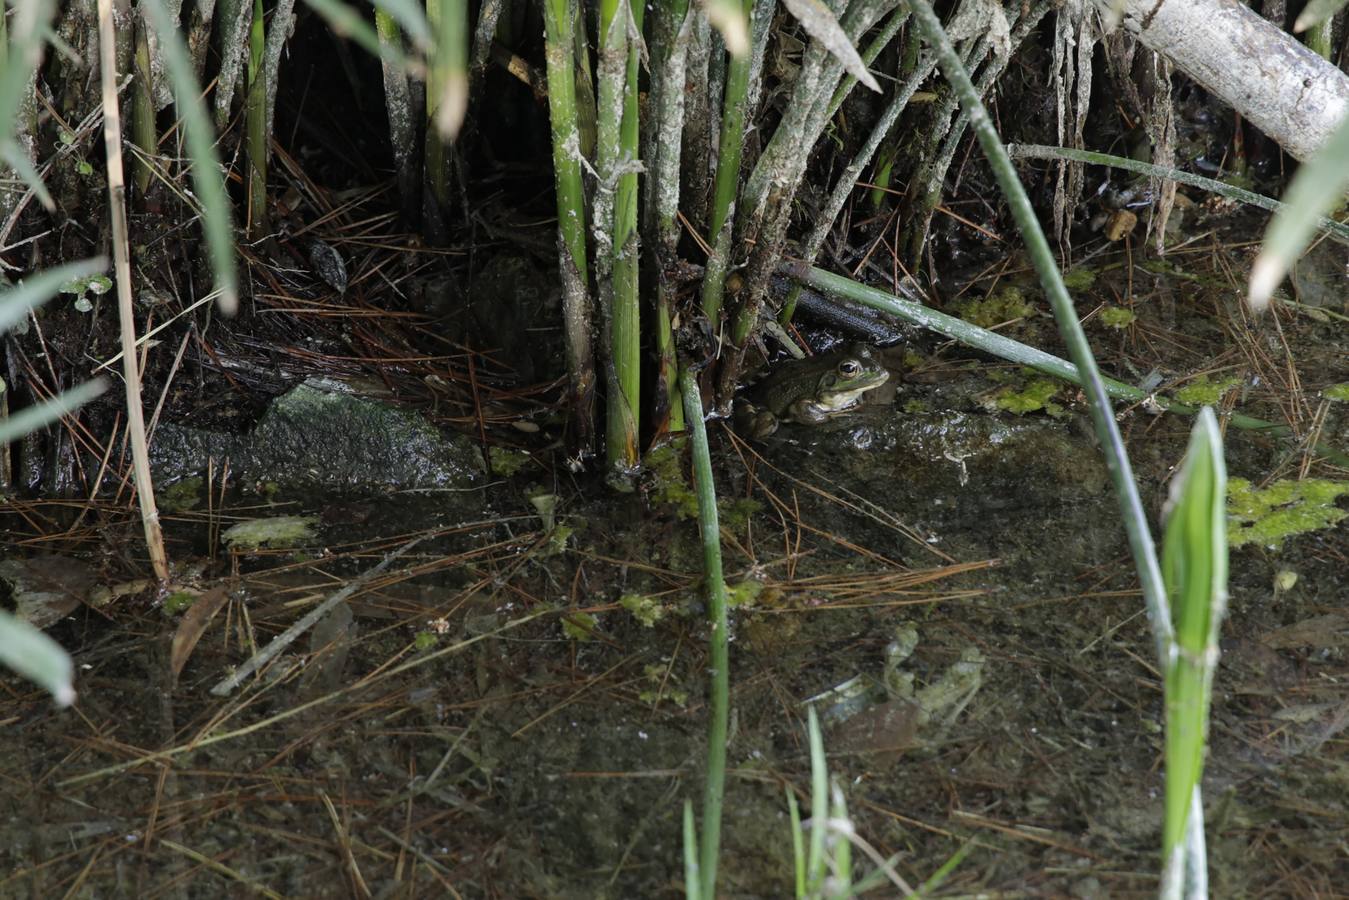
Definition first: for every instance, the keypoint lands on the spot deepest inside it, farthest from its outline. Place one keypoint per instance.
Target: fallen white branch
(1291, 94)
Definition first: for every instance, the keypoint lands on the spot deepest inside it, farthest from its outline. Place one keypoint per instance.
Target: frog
(887, 715)
(809, 391)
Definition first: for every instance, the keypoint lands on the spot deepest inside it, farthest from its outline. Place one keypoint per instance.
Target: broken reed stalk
(672, 30)
(143, 133)
(255, 116)
(112, 139)
(559, 17)
(719, 649)
(731, 148)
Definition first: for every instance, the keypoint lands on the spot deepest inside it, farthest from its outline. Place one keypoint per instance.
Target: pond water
(515, 706)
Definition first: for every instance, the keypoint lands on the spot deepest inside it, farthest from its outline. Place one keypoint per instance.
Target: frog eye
(849, 367)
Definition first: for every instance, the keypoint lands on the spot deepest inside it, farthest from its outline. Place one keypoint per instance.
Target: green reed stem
(624, 406)
(720, 701)
(672, 34)
(256, 122)
(559, 17)
(731, 148)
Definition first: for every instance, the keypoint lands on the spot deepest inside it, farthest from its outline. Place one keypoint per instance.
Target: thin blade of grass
(692, 885)
(206, 169)
(411, 16)
(346, 22)
(720, 657)
(819, 803)
(798, 843)
(37, 290)
(37, 657)
(32, 418)
(12, 156)
(1317, 187)
(1316, 12)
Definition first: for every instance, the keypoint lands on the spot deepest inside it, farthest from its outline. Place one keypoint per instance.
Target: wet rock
(323, 433)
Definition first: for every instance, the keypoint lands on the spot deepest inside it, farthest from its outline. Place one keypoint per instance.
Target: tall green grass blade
(819, 804)
(625, 348)
(798, 842)
(1117, 460)
(32, 292)
(31, 418)
(451, 68)
(1194, 563)
(38, 658)
(730, 150)
(1315, 13)
(347, 22)
(559, 17)
(12, 156)
(206, 170)
(411, 16)
(1316, 189)
(720, 659)
(692, 881)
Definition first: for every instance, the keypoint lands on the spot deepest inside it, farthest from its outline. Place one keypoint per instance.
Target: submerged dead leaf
(47, 588)
(193, 626)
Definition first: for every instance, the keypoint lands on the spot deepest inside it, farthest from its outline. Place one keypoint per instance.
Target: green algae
(1268, 516)
(1036, 396)
(668, 484)
(996, 309)
(178, 602)
(579, 626)
(180, 496)
(1205, 392)
(1118, 317)
(276, 533)
(644, 608)
(507, 461)
(663, 690)
(1337, 392)
(1079, 279)
(743, 593)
